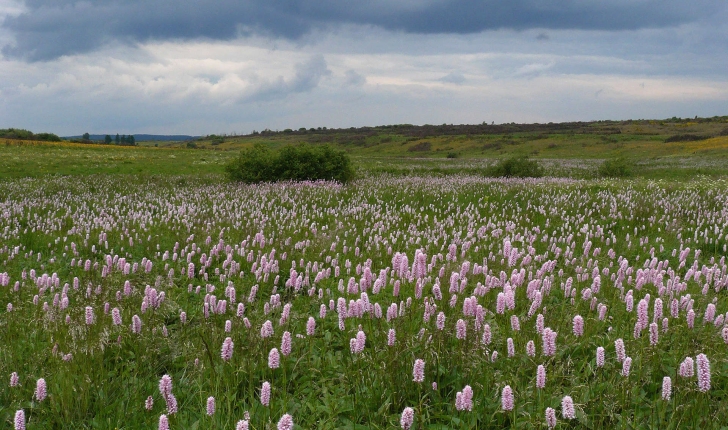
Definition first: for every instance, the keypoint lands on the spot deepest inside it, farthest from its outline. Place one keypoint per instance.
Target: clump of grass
(616, 168)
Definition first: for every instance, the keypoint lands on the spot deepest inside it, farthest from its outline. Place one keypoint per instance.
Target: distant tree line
(20, 134)
(121, 140)
(486, 128)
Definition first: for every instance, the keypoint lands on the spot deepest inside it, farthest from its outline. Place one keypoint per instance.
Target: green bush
(616, 168)
(20, 134)
(453, 154)
(48, 137)
(291, 163)
(517, 167)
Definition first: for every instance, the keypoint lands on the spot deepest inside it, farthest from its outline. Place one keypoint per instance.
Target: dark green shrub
(616, 168)
(685, 138)
(291, 163)
(48, 137)
(517, 167)
(216, 140)
(453, 154)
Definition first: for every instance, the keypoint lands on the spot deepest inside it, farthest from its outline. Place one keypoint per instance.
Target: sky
(234, 66)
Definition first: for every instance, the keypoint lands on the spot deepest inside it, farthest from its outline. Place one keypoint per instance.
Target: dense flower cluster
(386, 285)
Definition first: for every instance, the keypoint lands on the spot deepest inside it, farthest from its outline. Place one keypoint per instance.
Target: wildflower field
(413, 302)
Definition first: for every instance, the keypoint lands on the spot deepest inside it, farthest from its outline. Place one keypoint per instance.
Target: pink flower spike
(666, 388)
(540, 376)
(265, 394)
(227, 349)
(600, 356)
(408, 417)
(89, 315)
(418, 373)
(460, 329)
(507, 400)
(619, 348)
(703, 366)
(165, 386)
(468, 398)
(171, 404)
(654, 334)
(687, 368)
(210, 406)
(285, 423)
(551, 417)
(163, 422)
(391, 337)
(40, 390)
(311, 326)
(578, 326)
(274, 360)
(286, 344)
(626, 366)
(567, 408)
(20, 420)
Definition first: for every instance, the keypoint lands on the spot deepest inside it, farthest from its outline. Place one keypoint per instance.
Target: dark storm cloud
(52, 28)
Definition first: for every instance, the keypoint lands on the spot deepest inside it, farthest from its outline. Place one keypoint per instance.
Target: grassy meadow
(20, 158)
(139, 289)
(657, 148)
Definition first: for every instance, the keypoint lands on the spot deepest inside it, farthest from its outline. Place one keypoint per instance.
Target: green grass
(41, 159)
(22, 159)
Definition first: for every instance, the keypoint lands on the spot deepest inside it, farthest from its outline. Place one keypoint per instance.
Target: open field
(654, 159)
(318, 300)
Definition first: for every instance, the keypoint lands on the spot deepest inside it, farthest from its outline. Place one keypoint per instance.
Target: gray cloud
(48, 29)
(354, 79)
(453, 78)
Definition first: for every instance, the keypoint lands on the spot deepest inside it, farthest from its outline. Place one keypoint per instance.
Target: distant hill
(142, 137)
